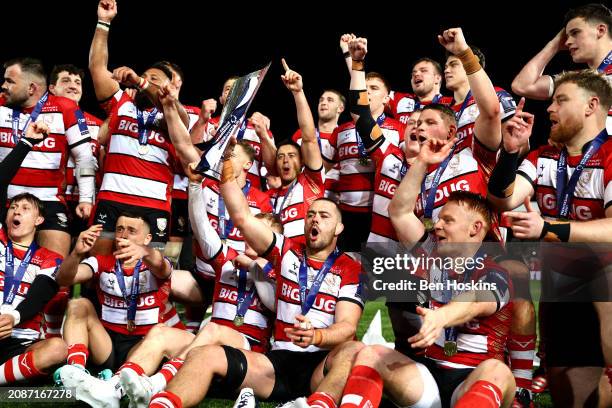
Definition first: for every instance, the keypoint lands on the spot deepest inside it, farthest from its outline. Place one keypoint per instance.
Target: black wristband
(501, 183)
(556, 231)
(346, 54)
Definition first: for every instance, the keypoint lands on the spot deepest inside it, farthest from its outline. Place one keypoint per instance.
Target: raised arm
(531, 82)
(261, 124)
(72, 270)
(257, 234)
(408, 227)
(105, 85)
(311, 152)
(505, 191)
(179, 135)
(200, 131)
(487, 127)
(344, 47)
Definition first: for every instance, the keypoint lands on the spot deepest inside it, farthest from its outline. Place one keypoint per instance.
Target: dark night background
(212, 41)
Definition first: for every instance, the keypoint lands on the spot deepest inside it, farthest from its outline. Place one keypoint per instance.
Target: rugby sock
(482, 394)
(167, 372)
(321, 400)
(165, 399)
(363, 388)
(522, 350)
(77, 355)
(193, 318)
(54, 313)
(18, 368)
(609, 373)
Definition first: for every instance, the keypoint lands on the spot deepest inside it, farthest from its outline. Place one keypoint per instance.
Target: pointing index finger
(285, 66)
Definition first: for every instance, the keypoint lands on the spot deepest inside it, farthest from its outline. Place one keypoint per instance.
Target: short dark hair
(447, 113)
(341, 97)
(474, 202)
(30, 198)
(329, 200)
(176, 68)
(248, 149)
(592, 13)
(436, 64)
(32, 66)
(273, 219)
(591, 81)
(477, 52)
(69, 68)
(380, 77)
(134, 214)
(289, 142)
(163, 68)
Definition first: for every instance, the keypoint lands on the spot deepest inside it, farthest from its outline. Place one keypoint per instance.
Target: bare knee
(498, 373)
(157, 332)
(211, 330)
(55, 350)
(79, 308)
(209, 356)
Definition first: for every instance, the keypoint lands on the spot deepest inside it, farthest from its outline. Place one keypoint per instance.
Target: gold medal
(238, 320)
(450, 348)
(143, 149)
(429, 224)
(131, 325)
(363, 161)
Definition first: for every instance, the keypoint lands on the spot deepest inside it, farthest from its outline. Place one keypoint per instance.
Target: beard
(142, 101)
(563, 133)
(423, 91)
(14, 101)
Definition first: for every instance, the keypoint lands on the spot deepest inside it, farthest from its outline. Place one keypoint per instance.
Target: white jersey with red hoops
(465, 124)
(179, 186)
(308, 187)
(257, 170)
(72, 187)
(327, 152)
(356, 183)
(44, 262)
(593, 193)
(131, 178)
(152, 297)
(389, 160)
(258, 202)
(42, 171)
(481, 338)
(402, 105)
(341, 284)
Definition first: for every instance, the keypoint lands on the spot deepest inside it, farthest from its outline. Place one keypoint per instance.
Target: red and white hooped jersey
(42, 171)
(258, 202)
(469, 169)
(179, 186)
(356, 182)
(44, 262)
(481, 338)
(465, 124)
(72, 188)
(308, 187)
(593, 193)
(152, 297)
(327, 152)
(389, 160)
(144, 180)
(257, 170)
(340, 284)
(402, 105)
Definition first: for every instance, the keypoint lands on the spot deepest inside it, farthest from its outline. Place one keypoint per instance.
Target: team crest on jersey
(162, 223)
(405, 105)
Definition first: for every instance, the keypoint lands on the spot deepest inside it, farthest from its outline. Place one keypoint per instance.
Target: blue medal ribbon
(33, 116)
(225, 226)
(132, 298)
(267, 269)
(451, 333)
(12, 282)
(360, 146)
(81, 122)
(605, 63)
(404, 169)
(307, 296)
(319, 139)
(463, 106)
(143, 138)
(417, 102)
(245, 297)
(428, 200)
(565, 191)
(287, 193)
